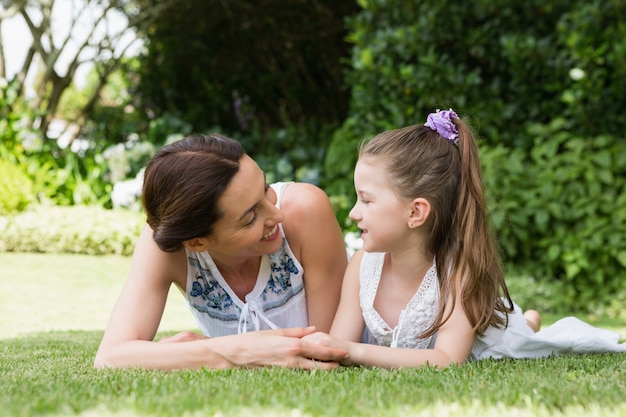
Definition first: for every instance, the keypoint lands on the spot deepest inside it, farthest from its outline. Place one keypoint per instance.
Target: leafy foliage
(74, 229)
(59, 174)
(500, 64)
(560, 210)
(248, 64)
(16, 188)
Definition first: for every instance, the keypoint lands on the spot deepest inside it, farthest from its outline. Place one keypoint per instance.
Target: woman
(260, 266)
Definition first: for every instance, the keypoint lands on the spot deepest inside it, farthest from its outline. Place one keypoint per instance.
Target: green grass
(53, 309)
(44, 292)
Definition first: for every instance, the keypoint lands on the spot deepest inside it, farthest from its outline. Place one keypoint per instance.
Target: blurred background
(90, 89)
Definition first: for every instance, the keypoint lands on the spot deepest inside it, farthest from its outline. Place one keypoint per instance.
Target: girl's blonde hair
(421, 163)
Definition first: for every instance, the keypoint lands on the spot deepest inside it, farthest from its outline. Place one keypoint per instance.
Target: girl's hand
(323, 339)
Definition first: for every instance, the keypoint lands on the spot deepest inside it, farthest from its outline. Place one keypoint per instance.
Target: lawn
(44, 292)
(54, 308)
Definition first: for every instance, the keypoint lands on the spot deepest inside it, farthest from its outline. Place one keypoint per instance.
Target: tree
(245, 64)
(99, 32)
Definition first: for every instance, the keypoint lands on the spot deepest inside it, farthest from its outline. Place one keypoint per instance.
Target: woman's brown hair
(182, 185)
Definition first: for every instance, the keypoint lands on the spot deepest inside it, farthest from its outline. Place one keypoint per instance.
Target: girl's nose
(354, 213)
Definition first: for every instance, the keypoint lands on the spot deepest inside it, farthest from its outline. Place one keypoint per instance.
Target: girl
(428, 286)
(248, 257)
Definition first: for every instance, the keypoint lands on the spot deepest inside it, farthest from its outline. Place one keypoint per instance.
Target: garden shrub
(560, 211)
(90, 230)
(16, 188)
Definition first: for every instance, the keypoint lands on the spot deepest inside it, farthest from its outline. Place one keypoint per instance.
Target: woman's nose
(277, 215)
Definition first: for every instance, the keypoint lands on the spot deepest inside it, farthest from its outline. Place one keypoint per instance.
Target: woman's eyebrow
(245, 213)
(250, 210)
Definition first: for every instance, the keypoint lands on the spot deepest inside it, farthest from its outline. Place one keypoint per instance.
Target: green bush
(501, 64)
(16, 188)
(90, 230)
(560, 211)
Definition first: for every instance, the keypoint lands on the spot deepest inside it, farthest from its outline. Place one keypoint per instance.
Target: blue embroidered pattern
(213, 298)
(282, 266)
(208, 296)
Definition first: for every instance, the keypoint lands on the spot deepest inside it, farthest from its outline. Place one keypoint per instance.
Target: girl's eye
(267, 187)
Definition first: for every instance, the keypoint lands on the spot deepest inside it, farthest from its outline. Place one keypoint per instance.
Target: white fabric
(419, 313)
(567, 336)
(278, 299)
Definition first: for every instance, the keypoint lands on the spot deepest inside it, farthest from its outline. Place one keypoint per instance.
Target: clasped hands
(300, 347)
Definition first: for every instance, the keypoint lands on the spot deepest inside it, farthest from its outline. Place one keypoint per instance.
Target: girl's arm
(128, 339)
(454, 339)
(454, 344)
(348, 323)
(314, 235)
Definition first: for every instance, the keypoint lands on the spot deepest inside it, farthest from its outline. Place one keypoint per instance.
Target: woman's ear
(197, 244)
(420, 210)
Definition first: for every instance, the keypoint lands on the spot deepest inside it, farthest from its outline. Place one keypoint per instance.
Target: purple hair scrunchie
(441, 122)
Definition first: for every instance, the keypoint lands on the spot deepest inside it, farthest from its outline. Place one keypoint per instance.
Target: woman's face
(249, 225)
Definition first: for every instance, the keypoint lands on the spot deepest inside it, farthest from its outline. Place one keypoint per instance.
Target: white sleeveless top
(418, 315)
(278, 299)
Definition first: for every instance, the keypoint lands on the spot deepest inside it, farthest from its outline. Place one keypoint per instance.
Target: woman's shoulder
(303, 197)
(309, 216)
(154, 265)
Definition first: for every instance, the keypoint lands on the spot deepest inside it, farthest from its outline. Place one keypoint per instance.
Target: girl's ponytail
(477, 258)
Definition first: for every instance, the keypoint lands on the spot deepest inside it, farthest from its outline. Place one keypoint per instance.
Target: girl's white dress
(566, 336)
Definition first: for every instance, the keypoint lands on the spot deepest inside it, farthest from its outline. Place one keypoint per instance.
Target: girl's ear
(420, 210)
(197, 244)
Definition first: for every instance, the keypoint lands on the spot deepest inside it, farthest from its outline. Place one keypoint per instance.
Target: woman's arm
(137, 313)
(280, 347)
(128, 339)
(314, 235)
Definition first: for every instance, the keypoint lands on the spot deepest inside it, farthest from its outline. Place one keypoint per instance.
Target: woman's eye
(254, 217)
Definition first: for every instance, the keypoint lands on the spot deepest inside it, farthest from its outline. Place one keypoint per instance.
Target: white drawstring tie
(252, 312)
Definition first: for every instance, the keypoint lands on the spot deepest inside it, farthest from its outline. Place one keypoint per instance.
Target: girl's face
(378, 212)
(249, 226)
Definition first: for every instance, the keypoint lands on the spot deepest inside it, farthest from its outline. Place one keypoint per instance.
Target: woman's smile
(271, 235)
